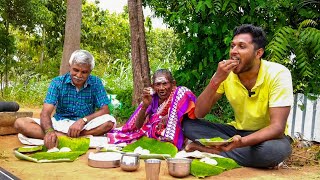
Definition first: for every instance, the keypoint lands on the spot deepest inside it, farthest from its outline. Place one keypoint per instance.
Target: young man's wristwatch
(85, 120)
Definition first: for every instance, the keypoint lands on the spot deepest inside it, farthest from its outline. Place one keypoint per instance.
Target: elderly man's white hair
(82, 57)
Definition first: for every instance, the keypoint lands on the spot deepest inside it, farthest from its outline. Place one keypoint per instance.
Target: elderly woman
(160, 113)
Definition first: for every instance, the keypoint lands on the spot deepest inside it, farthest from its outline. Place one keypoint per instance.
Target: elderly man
(75, 96)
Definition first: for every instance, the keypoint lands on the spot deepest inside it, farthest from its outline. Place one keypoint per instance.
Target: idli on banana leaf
(78, 147)
(156, 148)
(202, 169)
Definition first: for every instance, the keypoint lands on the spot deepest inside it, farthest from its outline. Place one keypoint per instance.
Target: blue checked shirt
(73, 104)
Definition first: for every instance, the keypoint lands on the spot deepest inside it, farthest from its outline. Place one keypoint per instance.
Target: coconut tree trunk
(72, 33)
(139, 57)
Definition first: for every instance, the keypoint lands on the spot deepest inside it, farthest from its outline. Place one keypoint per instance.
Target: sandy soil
(79, 169)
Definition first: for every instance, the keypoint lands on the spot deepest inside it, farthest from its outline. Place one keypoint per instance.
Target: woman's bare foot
(194, 146)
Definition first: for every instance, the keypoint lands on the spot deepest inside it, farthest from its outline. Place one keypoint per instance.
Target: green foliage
(104, 34)
(24, 14)
(162, 46)
(205, 27)
(27, 91)
(125, 97)
(299, 50)
(25, 26)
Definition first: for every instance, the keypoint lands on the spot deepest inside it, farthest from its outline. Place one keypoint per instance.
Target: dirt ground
(79, 169)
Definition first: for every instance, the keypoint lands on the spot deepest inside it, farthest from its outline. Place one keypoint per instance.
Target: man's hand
(76, 128)
(236, 142)
(146, 97)
(224, 69)
(50, 140)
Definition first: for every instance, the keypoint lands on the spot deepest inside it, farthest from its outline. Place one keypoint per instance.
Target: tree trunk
(72, 33)
(135, 52)
(139, 57)
(6, 57)
(42, 46)
(143, 46)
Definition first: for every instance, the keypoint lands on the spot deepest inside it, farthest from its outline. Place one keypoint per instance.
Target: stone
(7, 120)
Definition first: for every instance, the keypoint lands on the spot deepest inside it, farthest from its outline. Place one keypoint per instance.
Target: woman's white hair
(82, 57)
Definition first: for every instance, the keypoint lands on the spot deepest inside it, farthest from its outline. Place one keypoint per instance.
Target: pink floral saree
(181, 102)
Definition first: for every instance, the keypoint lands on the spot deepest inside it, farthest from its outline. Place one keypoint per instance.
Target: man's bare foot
(193, 147)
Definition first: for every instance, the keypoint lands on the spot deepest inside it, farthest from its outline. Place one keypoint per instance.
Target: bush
(27, 94)
(125, 97)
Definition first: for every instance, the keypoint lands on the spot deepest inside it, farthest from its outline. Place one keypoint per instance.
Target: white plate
(104, 159)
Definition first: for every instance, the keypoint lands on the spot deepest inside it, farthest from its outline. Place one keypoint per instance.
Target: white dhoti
(64, 125)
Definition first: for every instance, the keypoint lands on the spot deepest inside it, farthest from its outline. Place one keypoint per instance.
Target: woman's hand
(163, 123)
(147, 97)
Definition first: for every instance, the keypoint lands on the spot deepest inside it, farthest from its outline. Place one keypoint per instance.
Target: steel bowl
(130, 162)
(179, 167)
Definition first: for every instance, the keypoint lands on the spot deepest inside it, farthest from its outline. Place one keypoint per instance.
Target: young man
(75, 96)
(260, 93)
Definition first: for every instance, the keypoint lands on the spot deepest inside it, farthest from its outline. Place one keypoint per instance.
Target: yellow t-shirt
(273, 88)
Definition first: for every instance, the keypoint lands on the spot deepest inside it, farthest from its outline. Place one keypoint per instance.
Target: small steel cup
(179, 167)
(130, 162)
(152, 168)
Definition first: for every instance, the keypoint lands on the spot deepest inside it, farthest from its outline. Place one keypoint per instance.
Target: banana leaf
(202, 170)
(29, 149)
(155, 156)
(157, 148)
(78, 147)
(75, 144)
(57, 155)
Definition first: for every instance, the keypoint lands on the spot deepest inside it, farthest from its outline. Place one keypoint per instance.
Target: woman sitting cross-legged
(160, 113)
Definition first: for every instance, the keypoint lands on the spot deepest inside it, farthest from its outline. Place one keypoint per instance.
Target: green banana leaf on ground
(201, 170)
(163, 150)
(157, 148)
(78, 146)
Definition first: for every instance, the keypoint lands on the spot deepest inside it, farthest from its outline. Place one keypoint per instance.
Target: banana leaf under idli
(57, 155)
(200, 169)
(154, 146)
(78, 147)
(29, 149)
(75, 144)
